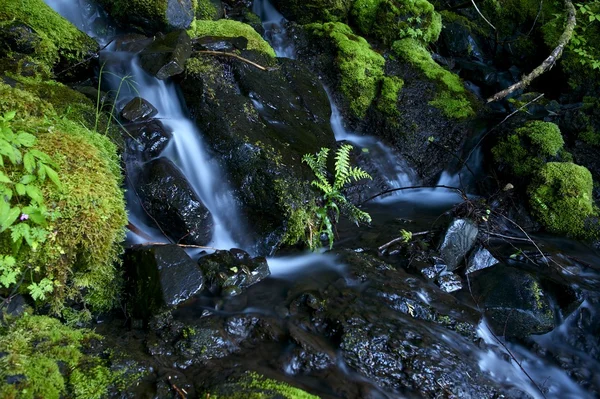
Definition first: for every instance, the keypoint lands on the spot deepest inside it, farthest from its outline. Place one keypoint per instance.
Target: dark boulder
(457, 242)
(158, 277)
(138, 110)
(151, 17)
(132, 42)
(169, 199)
(19, 37)
(166, 56)
(146, 140)
(230, 272)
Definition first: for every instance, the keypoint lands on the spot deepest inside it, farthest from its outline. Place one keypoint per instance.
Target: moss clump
(530, 147)
(59, 39)
(388, 99)
(83, 246)
(361, 68)
(389, 20)
(560, 196)
(452, 99)
(205, 9)
(254, 386)
(230, 28)
(44, 359)
(309, 11)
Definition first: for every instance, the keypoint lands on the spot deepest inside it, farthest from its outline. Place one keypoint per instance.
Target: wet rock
(158, 277)
(132, 42)
(513, 300)
(167, 55)
(232, 271)
(458, 241)
(449, 282)
(138, 110)
(432, 272)
(17, 36)
(457, 40)
(309, 11)
(150, 18)
(171, 201)
(218, 43)
(479, 72)
(147, 140)
(480, 259)
(15, 307)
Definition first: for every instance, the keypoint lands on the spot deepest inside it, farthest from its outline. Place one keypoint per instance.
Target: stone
(138, 110)
(458, 241)
(158, 277)
(450, 282)
(146, 140)
(166, 56)
(171, 201)
(431, 272)
(17, 36)
(480, 259)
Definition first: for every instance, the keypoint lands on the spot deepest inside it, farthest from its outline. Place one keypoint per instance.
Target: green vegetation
(390, 88)
(361, 68)
(333, 200)
(389, 20)
(530, 147)
(254, 386)
(41, 358)
(561, 198)
(452, 99)
(205, 9)
(310, 11)
(59, 39)
(230, 28)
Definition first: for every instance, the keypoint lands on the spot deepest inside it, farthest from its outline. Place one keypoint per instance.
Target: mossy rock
(361, 69)
(209, 9)
(82, 251)
(530, 147)
(255, 386)
(42, 358)
(60, 42)
(152, 16)
(309, 11)
(389, 20)
(452, 98)
(231, 29)
(560, 196)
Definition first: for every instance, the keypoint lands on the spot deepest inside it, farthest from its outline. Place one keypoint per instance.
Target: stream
(322, 363)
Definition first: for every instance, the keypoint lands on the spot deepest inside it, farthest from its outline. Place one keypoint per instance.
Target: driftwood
(548, 62)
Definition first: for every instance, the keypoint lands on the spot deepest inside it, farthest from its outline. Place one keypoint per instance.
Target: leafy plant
(333, 201)
(22, 209)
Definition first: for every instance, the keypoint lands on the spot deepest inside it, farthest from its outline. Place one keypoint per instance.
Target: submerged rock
(146, 140)
(449, 282)
(138, 110)
(458, 241)
(167, 55)
(159, 277)
(170, 200)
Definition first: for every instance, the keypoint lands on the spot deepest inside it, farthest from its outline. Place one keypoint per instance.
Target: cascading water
(273, 23)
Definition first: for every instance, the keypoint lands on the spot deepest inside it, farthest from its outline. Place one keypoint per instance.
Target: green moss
(452, 98)
(230, 28)
(152, 12)
(361, 68)
(560, 196)
(530, 147)
(309, 11)
(254, 386)
(60, 40)
(388, 99)
(205, 9)
(35, 346)
(389, 20)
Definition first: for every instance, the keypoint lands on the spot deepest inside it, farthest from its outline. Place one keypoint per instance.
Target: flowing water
(189, 153)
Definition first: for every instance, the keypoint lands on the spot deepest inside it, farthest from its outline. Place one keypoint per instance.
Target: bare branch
(246, 60)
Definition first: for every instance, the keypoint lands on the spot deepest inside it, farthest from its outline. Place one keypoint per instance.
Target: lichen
(361, 68)
(452, 98)
(389, 20)
(529, 147)
(44, 359)
(59, 39)
(230, 28)
(560, 197)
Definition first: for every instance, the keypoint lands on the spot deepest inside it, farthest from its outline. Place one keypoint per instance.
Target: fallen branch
(548, 62)
(246, 60)
(179, 245)
(461, 192)
(399, 239)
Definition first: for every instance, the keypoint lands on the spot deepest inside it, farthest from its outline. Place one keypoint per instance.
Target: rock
(480, 259)
(16, 306)
(232, 271)
(449, 282)
(458, 241)
(146, 140)
(17, 36)
(166, 56)
(253, 385)
(457, 40)
(169, 199)
(158, 277)
(309, 11)
(220, 43)
(513, 300)
(132, 42)
(432, 272)
(138, 110)
(153, 17)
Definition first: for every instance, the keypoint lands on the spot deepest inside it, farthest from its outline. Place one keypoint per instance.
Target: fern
(334, 201)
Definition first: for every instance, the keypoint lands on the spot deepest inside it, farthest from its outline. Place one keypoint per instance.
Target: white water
(273, 23)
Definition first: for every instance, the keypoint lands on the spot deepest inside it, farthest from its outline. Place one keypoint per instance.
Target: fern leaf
(342, 166)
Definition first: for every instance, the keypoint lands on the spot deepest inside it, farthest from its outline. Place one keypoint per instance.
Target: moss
(389, 20)
(309, 11)
(388, 99)
(205, 9)
(254, 386)
(530, 147)
(230, 28)
(59, 39)
(452, 99)
(47, 360)
(560, 196)
(361, 68)
(82, 249)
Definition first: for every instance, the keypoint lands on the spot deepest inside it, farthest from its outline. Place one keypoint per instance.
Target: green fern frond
(357, 173)
(342, 166)
(322, 185)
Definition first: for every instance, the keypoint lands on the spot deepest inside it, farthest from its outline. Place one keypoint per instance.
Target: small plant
(333, 201)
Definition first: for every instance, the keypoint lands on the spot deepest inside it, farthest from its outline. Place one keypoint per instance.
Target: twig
(460, 191)
(395, 240)
(484, 18)
(182, 394)
(549, 61)
(508, 237)
(536, 17)
(246, 60)
(179, 245)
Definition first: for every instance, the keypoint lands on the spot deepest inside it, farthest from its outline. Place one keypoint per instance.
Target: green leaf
(39, 290)
(26, 179)
(20, 189)
(28, 162)
(10, 115)
(4, 178)
(35, 194)
(26, 139)
(53, 176)
(8, 217)
(42, 172)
